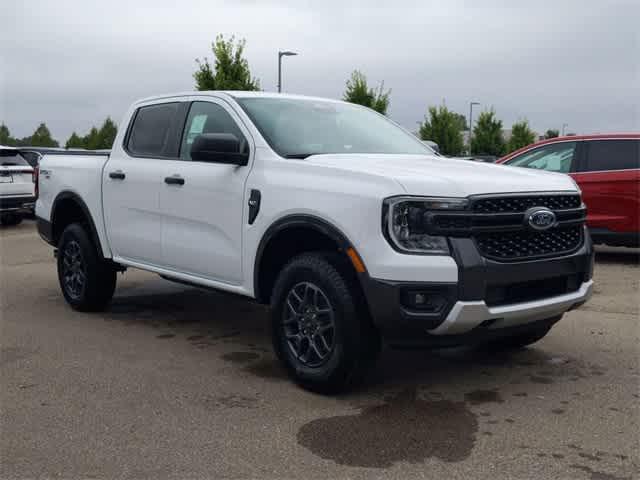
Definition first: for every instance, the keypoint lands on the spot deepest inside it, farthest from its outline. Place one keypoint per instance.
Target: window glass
(150, 132)
(9, 158)
(301, 127)
(612, 155)
(556, 157)
(207, 117)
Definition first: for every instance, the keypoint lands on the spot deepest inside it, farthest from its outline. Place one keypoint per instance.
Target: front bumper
(17, 203)
(489, 299)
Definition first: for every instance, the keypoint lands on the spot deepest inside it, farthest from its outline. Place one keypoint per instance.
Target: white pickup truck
(342, 221)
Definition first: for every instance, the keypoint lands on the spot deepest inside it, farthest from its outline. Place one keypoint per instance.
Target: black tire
(87, 281)
(519, 341)
(11, 219)
(354, 343)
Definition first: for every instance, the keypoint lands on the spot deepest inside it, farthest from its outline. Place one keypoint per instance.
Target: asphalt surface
(174, 382)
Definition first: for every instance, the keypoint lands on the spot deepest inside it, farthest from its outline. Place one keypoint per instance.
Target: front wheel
(321, 330)
(87, 280)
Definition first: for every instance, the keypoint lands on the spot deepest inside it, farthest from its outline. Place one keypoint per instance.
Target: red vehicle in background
(606, 167)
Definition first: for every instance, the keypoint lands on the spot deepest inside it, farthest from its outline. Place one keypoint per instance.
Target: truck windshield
(298, 128)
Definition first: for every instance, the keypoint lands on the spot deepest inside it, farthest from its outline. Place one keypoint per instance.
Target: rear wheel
(87, 280)
(11, 219)
(321, 329)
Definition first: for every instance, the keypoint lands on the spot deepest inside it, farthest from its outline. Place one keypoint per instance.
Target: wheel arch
(286, 232)
(68, 207)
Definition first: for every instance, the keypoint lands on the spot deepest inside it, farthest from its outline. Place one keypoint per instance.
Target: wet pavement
(176, 382)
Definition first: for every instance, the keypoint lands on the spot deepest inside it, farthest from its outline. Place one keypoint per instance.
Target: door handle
(175, 180)
(117, 175)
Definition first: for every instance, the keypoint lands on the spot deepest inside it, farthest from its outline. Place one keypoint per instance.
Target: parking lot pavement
(174, 382)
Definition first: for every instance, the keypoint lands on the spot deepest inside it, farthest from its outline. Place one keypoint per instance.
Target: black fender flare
(68, 195)
(295, 220)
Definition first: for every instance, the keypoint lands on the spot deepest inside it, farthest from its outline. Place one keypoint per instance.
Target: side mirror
(218, 148)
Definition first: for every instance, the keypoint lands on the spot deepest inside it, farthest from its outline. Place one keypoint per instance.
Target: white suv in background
(17, 186)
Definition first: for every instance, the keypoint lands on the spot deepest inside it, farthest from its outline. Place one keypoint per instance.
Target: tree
(230, 70)
(462, 121)
(487, 135)
(358, 91)
(443, 127)
(5, 136)
(96, 139)
(552, 133)
(41, 138)
(74, 141)
(521, 135)
(107, 134)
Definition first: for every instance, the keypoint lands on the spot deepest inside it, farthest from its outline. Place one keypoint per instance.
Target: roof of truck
(234, 94)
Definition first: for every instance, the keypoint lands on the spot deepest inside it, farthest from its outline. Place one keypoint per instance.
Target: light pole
(471, 104)
(564, 125)
(286, 53)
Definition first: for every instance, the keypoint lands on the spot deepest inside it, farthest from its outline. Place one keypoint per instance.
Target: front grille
(508, 204)
(532, 290)
(528, 244)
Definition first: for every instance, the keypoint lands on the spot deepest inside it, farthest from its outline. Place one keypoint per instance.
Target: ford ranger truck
(343, 222)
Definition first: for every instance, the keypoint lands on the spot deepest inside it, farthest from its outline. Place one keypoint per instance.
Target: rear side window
(555, 157)
(612, 155)
(150, 134)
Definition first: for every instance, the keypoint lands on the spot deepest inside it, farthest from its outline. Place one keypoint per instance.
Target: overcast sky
(72, 63)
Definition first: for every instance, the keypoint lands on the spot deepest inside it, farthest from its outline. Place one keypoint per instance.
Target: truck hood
(437, 176)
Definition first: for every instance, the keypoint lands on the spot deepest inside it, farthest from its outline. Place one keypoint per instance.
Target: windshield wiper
(300, 155)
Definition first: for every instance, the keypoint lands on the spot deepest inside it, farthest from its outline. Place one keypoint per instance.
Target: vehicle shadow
(207, 319)
(618, 255)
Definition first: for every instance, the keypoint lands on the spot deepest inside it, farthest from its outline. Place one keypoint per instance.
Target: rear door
(133, 178)
(609, 176)
(203, 213)
(16, 175)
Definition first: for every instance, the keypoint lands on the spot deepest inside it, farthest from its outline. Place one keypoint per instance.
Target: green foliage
(40, 138)
(521, 136)
(230, 71)
(96, 139)
(487, 135)
(443, 127)
(462, 122)
(5, 136)
(74, 141)
(358, 91)
(552, 133)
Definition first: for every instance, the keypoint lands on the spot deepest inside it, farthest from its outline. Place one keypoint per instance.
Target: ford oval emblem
(540, 218)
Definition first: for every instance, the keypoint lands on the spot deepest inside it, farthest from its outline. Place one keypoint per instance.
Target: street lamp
(286, 53)
(471, 104)
(564, 125)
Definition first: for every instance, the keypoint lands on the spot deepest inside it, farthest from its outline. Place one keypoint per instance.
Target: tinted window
(207, 117)
(556, 157)
(32, 157)
(151, 129)
(612, 155)
(10, 158)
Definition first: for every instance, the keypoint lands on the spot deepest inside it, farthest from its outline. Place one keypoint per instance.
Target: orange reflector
(355, 259)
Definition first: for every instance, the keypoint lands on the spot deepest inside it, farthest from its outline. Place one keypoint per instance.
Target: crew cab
(17, 186)
(606, 167)
(343, 222)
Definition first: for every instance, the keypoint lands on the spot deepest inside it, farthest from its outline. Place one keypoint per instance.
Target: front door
(203, 208)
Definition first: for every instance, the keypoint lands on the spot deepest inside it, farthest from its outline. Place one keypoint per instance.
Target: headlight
(405, 223)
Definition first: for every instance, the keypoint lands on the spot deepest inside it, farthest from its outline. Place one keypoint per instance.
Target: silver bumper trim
(465, 316)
